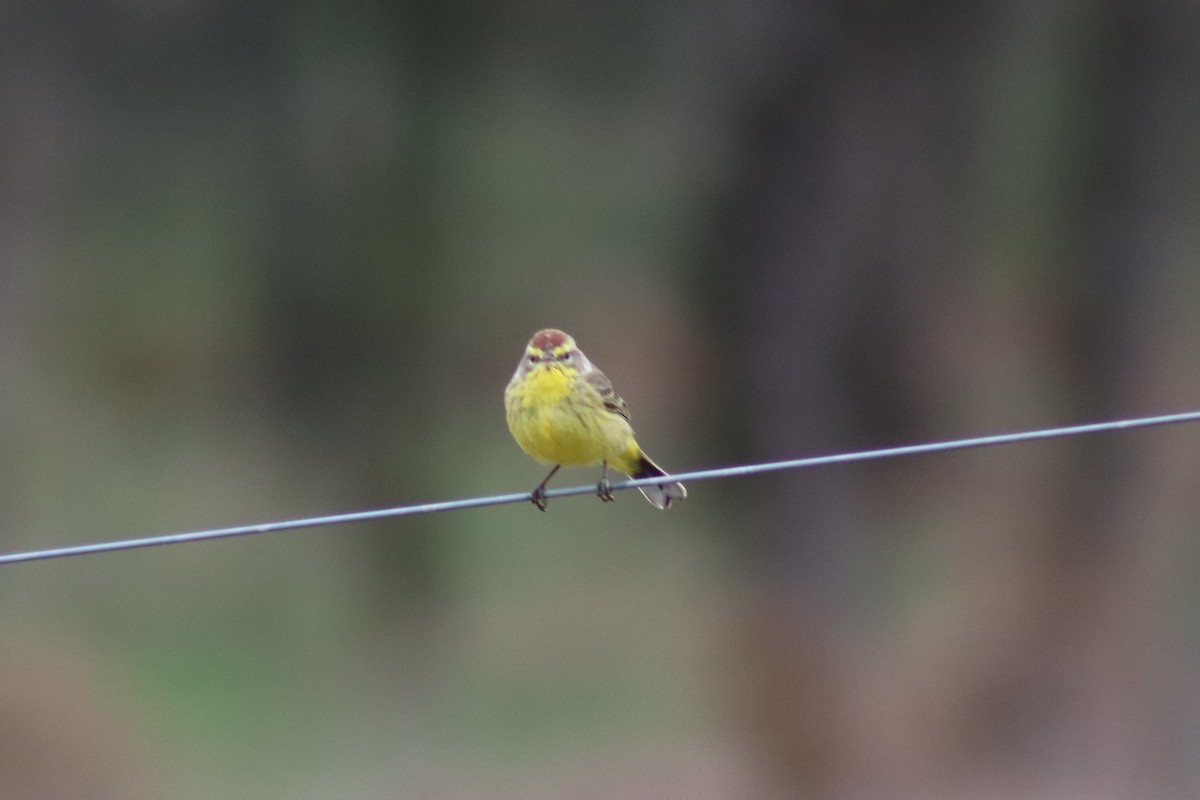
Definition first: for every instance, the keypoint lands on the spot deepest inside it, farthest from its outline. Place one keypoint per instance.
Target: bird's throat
(548, 386)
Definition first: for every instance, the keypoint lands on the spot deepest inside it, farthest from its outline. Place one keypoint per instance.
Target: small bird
(563, 411)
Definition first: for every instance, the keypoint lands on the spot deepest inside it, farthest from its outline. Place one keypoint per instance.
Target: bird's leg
(602, 487)
(538, 495)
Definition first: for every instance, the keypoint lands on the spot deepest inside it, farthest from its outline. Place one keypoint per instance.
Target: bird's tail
(661, 495)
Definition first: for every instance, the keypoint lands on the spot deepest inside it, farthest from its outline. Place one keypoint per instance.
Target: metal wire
(692, 477)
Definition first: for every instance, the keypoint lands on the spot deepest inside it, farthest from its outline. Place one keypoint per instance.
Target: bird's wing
(612, 400)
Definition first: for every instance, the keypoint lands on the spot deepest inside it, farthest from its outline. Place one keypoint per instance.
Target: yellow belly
(558, 419)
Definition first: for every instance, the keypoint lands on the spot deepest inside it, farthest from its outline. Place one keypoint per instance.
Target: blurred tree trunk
(844, 218)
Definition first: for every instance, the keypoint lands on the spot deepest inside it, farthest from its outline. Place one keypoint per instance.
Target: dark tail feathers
(660, 496)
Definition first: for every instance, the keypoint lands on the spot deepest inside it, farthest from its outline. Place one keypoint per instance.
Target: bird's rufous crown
(549, 339)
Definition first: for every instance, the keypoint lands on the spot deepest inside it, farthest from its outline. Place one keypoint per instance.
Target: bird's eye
(532, 359)
(567, 356)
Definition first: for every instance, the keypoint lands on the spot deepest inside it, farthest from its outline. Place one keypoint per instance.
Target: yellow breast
(558, 418)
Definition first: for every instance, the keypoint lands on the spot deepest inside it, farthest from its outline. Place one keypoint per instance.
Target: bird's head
(551, 348)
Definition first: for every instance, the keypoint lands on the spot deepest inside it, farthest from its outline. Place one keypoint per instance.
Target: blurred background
(271, 260)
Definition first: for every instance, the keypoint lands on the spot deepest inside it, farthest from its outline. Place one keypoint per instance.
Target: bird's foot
(603, 490)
